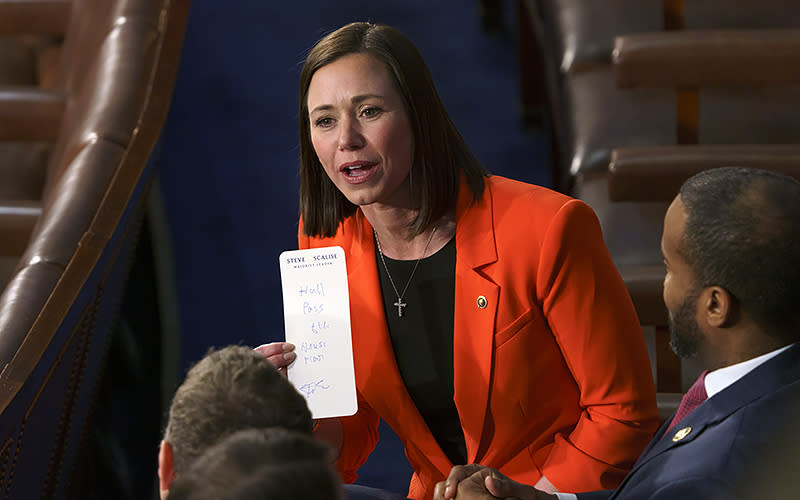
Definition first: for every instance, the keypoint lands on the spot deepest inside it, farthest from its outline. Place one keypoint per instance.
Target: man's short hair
(256, 464)
(230, 389)
(743, 234)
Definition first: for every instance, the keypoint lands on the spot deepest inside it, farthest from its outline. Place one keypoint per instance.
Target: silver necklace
(400, 305)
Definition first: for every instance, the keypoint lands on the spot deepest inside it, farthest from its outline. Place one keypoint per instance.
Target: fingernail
(288, 347)
(289, 356)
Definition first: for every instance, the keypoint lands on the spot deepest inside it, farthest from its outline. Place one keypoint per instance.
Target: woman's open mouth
(357, 172)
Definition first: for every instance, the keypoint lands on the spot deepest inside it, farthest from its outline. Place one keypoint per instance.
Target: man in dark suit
(731, 247)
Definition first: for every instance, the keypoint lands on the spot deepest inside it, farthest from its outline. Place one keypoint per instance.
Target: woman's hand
(446, 490)
(476, 482)
(280, 354)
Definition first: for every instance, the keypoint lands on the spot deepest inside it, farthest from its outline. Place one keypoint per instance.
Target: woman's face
(361, 132)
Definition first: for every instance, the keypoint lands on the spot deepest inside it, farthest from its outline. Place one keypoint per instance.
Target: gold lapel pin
(681, 434)
(482, 302)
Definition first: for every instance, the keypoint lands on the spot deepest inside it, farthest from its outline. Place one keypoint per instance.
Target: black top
(423, 340)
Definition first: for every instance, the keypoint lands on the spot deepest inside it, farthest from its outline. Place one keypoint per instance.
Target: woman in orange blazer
(536, 364)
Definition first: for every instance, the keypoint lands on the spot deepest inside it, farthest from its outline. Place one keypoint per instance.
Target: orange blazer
(551, 376)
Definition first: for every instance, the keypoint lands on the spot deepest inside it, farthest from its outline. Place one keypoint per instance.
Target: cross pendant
(400, 307)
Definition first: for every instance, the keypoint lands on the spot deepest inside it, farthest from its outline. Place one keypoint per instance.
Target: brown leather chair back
(106, 40)
(58, 310)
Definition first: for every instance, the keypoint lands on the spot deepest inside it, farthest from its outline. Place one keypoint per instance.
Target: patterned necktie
(691, 400)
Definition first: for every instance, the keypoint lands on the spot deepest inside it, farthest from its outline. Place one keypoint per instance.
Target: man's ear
(717, 307)
(166, 473)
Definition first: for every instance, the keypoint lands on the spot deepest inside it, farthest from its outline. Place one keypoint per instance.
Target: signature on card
(312, 387)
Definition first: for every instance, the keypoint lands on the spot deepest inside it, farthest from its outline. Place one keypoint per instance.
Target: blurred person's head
(731, 245)
(229, 390)
(351, 154)
(261, 464)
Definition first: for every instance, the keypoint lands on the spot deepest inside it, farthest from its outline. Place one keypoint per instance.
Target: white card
(316, 310)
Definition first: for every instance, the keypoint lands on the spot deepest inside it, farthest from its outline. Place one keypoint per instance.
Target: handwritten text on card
(317, 315)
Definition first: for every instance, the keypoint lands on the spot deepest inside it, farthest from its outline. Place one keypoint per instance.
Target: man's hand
(445, 490)
(476, 482)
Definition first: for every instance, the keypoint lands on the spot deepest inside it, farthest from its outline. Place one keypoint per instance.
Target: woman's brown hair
(440, 153)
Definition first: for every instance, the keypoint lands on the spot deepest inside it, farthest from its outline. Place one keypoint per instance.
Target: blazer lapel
(476, 300)
(375, 364)
(767, 377)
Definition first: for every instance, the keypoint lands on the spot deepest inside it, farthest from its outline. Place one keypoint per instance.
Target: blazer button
(481, 301)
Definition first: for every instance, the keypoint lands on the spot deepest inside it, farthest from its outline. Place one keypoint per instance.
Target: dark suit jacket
(743, 442)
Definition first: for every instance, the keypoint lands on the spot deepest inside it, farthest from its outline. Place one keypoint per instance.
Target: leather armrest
(33, 17)
(20, 305)
(656, 173)
(720, 58)
(30, 114)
